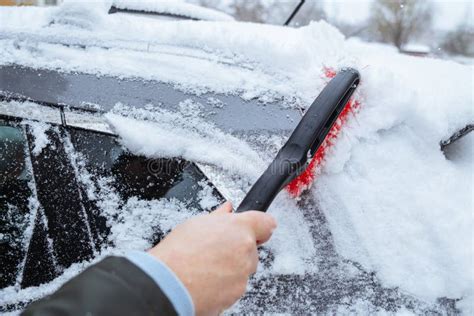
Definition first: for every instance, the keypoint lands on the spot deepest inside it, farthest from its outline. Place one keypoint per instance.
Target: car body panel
(89, 92)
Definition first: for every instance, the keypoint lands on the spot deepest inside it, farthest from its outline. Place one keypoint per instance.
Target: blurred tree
(220, 5)
(252, 11)
(460, 41)
(359, 29)
(399, 21)
(268, 11)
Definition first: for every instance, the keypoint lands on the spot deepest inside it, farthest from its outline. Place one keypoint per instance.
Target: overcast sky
(448, 14)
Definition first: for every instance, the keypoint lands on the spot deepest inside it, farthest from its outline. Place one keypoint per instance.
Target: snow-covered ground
(393, 202)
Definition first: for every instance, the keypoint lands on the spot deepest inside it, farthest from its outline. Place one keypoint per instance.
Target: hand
(214, 254)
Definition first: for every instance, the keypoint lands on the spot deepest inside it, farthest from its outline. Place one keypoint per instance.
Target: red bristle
(329, 72)
(306, 178)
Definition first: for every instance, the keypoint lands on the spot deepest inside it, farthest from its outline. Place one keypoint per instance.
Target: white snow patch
(215, 102)
(393, 201)
(292, 243)
(171, 135)
(174, 7)
(30, 111)
(73, 13)
(206, 199)
(129, 233)
(189, 107)
(41, 140)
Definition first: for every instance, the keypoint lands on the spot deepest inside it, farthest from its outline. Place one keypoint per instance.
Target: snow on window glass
(38, 130)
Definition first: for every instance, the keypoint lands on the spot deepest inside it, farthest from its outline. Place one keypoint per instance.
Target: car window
(138, 176)
(62, 231)
(48, 218)
(15, 196)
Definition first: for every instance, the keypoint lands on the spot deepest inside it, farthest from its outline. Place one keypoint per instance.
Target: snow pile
(394, 202)
(74, 13)
(27, 18)
(192, 139)
(173, 7)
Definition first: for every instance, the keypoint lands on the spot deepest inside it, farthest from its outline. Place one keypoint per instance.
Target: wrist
(166, 279)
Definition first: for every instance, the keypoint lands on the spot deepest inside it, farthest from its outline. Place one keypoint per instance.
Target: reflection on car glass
(14, 200)
(138, 176)
(146, 178)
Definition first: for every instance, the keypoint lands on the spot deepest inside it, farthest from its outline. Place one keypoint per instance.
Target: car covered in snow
(116, 127)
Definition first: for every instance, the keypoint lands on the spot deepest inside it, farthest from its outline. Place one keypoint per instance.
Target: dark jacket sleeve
(114, 286)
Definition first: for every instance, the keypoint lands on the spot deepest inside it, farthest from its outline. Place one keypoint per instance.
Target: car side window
(138, 176)
(48, 220)
(15, 194)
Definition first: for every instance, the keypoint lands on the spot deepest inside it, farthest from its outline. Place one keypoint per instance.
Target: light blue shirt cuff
(168, 282)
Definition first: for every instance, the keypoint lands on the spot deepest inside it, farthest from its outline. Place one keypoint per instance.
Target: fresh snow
(394, 203)
(173, 7)
(196, 140)
(41, 140)
(193, 140)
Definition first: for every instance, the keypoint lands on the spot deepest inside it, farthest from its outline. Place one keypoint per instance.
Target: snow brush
(301, 149)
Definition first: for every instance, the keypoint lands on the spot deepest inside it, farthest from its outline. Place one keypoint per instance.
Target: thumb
(225, 208)
(261, 224)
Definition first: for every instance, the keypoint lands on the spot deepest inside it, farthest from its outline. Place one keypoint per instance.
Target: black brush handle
(303, 143)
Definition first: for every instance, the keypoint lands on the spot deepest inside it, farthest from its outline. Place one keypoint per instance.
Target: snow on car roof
(174, 7)
(390, 200)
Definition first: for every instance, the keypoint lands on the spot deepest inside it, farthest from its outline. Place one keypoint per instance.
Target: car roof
(86, 92)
